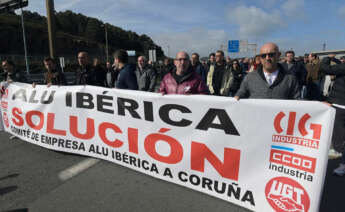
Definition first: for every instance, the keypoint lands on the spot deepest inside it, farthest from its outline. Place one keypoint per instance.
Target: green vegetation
(75, 32)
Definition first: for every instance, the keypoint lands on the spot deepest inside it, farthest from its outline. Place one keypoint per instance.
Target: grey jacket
(146, 79)
(255, 86)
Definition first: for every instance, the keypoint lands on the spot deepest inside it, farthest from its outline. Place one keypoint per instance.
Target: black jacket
(16, 76)
(337, 94)
(298, 70)
(218, 78)
(86, 76)
(57, 79)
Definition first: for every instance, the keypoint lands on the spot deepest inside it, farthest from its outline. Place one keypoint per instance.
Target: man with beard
(198, 67)
(183, 79)
(85, 74)
(215, 74)
(10, 74)
(270, 81)
(126, 78)
(146, 75)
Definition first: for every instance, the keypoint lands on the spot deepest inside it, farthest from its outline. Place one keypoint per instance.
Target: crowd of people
(268, 75)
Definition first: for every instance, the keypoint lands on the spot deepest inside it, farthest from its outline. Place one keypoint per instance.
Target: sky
(205, 26)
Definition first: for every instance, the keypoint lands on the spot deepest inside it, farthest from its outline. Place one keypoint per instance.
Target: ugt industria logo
(309, 136)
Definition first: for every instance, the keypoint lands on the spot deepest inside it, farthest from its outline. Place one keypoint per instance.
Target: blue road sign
(234, 46)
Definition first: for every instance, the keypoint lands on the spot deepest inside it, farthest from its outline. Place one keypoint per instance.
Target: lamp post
(24, 38)
(51, 27)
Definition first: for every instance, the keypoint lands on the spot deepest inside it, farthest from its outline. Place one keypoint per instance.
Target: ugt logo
(302, 128)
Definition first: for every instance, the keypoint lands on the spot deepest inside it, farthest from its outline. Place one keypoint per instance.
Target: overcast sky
(203, 26)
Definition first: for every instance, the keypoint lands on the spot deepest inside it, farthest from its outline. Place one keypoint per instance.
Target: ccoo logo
(316, 128)
(286, 195)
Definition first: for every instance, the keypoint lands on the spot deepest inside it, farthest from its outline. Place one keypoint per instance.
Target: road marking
(77, 169)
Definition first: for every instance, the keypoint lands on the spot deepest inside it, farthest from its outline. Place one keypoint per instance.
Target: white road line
(78, 168)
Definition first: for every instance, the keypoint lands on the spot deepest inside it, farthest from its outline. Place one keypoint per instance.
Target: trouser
(338, 137)
(313, 89)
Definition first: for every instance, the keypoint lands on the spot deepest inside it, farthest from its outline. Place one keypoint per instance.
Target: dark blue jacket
(199, 69)
(127, 78)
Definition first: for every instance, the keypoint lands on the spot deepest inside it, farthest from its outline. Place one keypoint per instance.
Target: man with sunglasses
(270, 81)
(182, 79)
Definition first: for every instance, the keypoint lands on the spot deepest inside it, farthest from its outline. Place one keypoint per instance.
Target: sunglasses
(182, 59)
(270, 55)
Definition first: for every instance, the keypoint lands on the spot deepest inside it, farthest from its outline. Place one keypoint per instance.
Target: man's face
(257, 60)
(182, 62)
(6, 67)
(116, 61)
(49, 65)
(219, 58)
(342, 60)
(310, 58)
(141, 62)
(195, 59)
(82, 59)
(235, 65)
(212, 59)
(289, 57)
(269, 57)
(228, 60)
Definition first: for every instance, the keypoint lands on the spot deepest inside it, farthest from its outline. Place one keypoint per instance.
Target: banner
(263, 155)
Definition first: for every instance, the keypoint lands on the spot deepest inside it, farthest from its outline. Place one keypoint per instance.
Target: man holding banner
(270, 81)
(183, 79)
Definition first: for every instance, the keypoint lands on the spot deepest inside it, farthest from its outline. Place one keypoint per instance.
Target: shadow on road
(9, 177)
(18, 210)
(6, 190)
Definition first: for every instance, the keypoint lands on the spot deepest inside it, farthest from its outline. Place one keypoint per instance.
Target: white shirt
(271, 77)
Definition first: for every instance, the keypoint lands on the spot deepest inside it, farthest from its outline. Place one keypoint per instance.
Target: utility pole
(24, 39)
(106, 41)
(51, 27)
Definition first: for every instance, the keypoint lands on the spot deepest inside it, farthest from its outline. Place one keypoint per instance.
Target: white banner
(264, 155)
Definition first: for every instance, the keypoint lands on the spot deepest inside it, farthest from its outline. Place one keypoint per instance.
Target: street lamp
(106, 41)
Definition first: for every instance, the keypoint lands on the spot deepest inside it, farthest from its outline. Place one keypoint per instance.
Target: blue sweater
(127, 78)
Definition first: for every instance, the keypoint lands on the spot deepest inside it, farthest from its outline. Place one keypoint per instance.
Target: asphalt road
(36, 179)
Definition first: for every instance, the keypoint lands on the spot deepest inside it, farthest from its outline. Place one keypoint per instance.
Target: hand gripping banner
(263, 155)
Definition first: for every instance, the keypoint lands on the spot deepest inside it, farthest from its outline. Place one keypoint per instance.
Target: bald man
(183, 79)
(146, 75)
(270, 81)
(86, 74)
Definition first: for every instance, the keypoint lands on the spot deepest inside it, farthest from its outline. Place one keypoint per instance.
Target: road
(36, 179)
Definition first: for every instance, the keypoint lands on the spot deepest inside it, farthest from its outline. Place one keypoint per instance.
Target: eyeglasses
(182, 59)
(270, 55)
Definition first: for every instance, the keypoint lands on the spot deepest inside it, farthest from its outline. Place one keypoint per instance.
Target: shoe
(332, 154)
(13, 137)
(340, 171)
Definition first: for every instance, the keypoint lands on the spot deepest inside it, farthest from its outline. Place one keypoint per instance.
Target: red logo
(286, 195)
(5, 118)
(314, 130)
(4, 105)
(293, 160)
